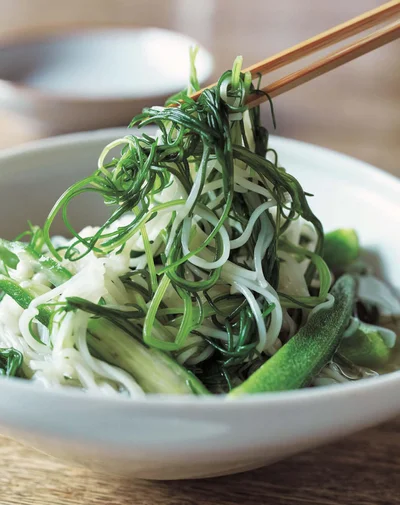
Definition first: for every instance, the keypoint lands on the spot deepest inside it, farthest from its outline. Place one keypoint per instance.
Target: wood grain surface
(360, 470)
(356, 110)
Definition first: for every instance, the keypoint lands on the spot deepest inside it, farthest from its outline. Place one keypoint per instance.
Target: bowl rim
(11, 386)
(56, 31)
(15, 385)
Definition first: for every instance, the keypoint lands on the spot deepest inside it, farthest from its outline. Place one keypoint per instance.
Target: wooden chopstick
(328, 38)
(325, 39)
(329, 62)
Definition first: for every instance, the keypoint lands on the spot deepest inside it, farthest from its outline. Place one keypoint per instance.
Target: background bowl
(171, 437)
(96, 77)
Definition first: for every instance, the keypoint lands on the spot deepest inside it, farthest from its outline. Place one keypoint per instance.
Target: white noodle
(328, 304)
(262, 332)
(240, 241)
(196, 260)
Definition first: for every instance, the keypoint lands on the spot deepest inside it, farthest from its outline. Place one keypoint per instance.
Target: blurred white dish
(171, 437)
(96, 77)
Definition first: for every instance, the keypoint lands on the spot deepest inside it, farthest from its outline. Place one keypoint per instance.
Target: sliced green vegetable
(153, 370)
(341, 248)
(23, 297)
(7, 258)
(365, 347)
(303, 357)
(11, 253)
(10, 362)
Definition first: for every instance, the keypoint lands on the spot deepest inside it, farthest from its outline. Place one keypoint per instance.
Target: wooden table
(356, 110)
(360, 470)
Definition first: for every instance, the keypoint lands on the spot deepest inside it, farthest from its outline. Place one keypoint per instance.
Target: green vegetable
(365, 347)
(7, 258)
(11, 253)
(303, 357)
(341, 248)
(23, 297)
(154, 371)
(10, 362)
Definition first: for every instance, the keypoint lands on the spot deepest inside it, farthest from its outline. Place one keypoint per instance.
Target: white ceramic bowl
(176, 438)
(94, 78)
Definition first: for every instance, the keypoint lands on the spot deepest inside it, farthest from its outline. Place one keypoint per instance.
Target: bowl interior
(104, 63)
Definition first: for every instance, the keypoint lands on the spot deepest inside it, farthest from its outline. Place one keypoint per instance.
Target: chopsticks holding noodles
(389, 11)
